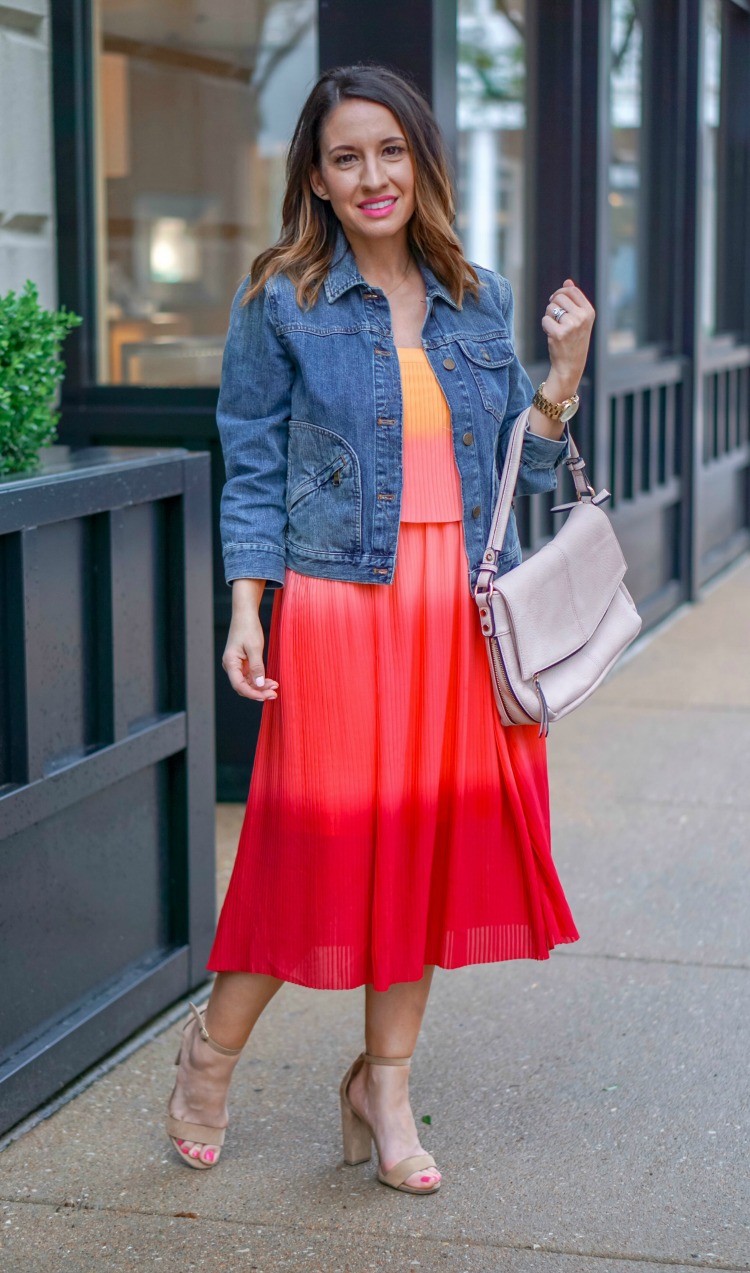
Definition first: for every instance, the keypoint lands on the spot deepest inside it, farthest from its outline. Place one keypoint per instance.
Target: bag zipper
(544, 726)
(501, 678)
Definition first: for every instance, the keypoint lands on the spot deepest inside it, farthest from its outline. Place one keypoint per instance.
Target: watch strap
(553, 410)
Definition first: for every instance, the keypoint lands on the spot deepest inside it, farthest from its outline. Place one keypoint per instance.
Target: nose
(374, 176)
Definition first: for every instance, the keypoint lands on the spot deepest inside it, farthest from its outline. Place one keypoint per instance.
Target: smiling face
(366, 170)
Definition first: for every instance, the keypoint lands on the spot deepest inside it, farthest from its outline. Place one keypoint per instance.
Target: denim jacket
(309, 415)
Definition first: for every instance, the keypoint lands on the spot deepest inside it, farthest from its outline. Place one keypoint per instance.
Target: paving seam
(666, 1261)
(649, 705)
(649, 959)
(676, 802)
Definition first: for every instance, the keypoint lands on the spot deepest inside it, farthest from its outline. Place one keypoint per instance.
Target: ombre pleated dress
(392, 820)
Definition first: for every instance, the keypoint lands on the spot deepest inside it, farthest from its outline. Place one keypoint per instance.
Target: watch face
(568, 412)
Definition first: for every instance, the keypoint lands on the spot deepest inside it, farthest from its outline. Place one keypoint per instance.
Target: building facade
(608, 141)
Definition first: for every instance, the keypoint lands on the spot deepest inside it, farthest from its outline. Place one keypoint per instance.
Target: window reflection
(625, 207)
(196, 104)
(711, 124)
(492, 139)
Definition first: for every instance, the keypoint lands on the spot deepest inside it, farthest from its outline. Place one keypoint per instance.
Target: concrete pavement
(590, 1113)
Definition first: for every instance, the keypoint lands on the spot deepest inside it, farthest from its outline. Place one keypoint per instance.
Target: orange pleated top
(431, 481)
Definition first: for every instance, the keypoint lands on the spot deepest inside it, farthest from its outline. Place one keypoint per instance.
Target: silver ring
(558, 313)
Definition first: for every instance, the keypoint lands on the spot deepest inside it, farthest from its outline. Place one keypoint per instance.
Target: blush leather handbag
(555, 624)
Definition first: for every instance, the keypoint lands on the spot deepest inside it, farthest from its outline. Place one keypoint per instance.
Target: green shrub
(30, 367)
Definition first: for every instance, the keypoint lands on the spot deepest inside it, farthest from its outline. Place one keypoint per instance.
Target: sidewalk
(590, 1113)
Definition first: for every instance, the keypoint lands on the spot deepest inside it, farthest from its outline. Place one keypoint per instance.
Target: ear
(318, 185)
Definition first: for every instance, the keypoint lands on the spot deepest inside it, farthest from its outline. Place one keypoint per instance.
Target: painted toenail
(209, 1156)
(427, 1178)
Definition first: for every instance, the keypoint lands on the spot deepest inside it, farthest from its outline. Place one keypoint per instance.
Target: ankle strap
(386, 1060)
(197, 1013)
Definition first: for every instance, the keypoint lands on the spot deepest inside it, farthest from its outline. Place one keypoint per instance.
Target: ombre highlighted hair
(304, 249)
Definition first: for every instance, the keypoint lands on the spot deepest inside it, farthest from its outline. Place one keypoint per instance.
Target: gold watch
(563, 411)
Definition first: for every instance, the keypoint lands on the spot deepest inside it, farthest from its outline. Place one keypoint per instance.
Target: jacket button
(449, 364)
(485, 355)
(476, 510)
(468, 439)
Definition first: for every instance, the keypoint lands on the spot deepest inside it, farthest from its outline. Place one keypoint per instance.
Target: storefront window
(625, 163)
(492, 139)
(711, 123)
(195, 106)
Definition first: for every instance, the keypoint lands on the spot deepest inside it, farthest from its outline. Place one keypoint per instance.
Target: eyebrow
(383, 142)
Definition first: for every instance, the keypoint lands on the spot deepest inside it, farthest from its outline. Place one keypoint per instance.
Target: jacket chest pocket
(489, 362)
(323, 491)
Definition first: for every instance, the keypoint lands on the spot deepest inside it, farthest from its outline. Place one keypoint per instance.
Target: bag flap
(556, 599)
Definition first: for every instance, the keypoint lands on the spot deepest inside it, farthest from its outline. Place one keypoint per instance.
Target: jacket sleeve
(252, 416)
(540, 456)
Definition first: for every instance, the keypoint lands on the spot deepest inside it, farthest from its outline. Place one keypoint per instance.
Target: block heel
(356, 1135)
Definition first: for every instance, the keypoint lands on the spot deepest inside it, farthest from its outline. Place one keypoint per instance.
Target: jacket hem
(367, 568)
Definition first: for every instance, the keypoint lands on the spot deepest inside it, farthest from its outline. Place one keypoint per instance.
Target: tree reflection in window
(492, 138)
(625, 162)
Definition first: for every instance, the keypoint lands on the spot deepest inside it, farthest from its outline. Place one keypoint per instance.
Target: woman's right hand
(243, 655)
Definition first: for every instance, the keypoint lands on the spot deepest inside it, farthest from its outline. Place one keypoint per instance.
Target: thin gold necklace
(400, 282)
(422, 299)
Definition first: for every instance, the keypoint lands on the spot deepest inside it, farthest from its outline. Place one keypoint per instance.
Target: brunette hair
(304, 249)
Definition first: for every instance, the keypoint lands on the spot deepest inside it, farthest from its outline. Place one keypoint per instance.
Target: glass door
(195, 105)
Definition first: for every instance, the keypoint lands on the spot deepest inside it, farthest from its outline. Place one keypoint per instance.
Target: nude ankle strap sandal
(358, 1134)
(198, 1015)
(198, 1132)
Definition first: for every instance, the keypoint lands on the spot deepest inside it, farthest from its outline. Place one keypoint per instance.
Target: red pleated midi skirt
(392, 821)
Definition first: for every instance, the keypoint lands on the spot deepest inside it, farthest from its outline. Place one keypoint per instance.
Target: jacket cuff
(254, 561)
(544, 453)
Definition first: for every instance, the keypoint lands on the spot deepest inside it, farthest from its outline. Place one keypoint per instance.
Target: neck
(382, 262)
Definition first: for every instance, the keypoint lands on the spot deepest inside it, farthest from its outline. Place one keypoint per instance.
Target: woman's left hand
(568, 339)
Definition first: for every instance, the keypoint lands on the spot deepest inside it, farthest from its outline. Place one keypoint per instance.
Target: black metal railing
(107, 764)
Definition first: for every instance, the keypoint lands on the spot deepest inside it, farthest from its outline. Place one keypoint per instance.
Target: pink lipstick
(378, 207)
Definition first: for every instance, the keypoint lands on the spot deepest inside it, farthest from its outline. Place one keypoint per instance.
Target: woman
(368, 390)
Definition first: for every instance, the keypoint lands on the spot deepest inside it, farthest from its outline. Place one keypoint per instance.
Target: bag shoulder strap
(508, 480)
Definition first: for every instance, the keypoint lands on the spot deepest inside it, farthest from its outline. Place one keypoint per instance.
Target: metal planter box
(107, 762)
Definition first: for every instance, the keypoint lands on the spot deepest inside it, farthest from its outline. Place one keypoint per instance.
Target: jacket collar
(343, 274)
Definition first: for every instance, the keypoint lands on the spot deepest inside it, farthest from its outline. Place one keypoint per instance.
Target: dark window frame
(657, 328)
(148, 408)
(733, 177)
